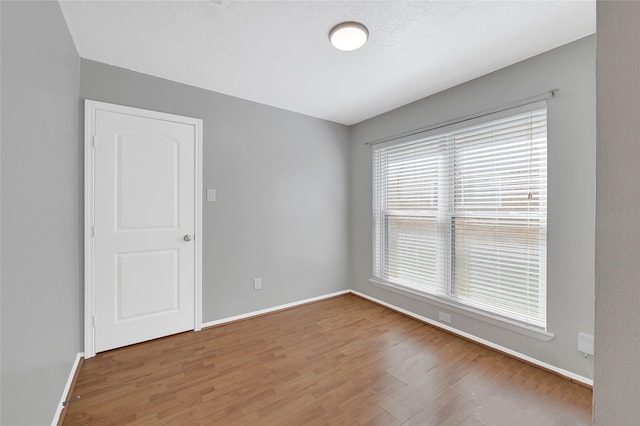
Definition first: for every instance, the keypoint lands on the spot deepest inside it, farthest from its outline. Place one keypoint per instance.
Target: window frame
(446, 298)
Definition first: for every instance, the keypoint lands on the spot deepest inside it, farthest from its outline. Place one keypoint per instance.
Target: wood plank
(341, 361)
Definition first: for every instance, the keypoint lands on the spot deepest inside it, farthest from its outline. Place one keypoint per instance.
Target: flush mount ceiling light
(348, 36)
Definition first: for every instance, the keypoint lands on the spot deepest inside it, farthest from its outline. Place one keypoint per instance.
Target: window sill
(465, 311)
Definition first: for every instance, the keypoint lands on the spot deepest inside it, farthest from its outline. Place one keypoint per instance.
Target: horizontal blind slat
(462, 214)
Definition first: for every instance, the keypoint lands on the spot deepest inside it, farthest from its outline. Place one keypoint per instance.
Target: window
(460, 214)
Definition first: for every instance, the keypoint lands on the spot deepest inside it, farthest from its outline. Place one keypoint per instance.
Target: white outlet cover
(585, 343)
(444, 317)
(211, 194)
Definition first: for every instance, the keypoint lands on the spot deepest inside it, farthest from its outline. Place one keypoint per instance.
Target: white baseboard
(272, 309)
(560, 371)
(67, 387)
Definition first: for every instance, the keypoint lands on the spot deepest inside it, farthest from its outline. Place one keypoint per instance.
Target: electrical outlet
(257, 283)
(444, 317)
(211, 194)
(585, 343)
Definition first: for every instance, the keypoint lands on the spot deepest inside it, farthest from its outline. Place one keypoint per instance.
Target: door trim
(90, 108)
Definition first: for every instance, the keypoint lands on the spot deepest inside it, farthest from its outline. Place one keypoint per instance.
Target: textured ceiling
(278, 53)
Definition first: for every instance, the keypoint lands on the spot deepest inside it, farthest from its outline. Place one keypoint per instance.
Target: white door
(143, 225)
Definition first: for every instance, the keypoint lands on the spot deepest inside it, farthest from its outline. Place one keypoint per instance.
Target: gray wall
(571, 192)
(282, 186)
(617, 372)
(41, 210)
(282, 209)
(293, 203)
(0, 211)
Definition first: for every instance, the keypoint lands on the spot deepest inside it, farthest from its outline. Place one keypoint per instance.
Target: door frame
(90, 109)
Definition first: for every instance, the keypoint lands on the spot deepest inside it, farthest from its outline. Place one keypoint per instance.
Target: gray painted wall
(41, 210)
(282, 184)
(571, 192)
(293, 203)
(282, 209)
(0, 211)
(617, 372)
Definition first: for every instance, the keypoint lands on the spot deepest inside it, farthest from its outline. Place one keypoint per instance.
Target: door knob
(187, 237)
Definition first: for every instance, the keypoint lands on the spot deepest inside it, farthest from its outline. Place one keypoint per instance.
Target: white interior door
(143, 225)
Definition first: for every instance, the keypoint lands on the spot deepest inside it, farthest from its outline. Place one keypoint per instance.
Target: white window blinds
(461, 215)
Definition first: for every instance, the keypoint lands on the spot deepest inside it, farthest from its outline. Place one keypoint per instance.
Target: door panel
(144, 205)
(134, 271)
(150, 199)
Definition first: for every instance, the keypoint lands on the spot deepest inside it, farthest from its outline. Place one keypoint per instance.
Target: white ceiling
(278, 53)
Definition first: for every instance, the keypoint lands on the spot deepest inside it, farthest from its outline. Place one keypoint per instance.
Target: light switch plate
(211, 194)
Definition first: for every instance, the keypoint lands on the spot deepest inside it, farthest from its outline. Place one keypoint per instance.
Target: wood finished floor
(340, 361)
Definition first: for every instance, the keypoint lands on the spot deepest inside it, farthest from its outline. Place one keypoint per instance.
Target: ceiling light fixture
(348, 36)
